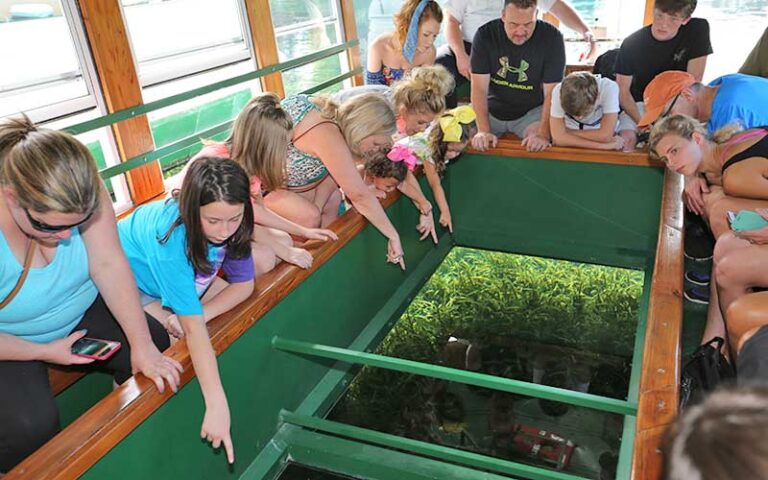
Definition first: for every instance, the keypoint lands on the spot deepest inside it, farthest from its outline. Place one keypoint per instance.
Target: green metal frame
(446, 454)
(467, 377)
(132, 112)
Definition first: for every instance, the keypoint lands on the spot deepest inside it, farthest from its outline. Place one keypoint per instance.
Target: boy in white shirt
(584, 113)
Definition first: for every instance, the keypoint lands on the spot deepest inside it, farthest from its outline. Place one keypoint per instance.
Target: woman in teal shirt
(54, 205)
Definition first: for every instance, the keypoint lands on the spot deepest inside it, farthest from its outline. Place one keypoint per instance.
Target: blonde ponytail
(423, 90)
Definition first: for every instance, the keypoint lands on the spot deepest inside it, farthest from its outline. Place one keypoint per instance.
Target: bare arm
(570, 17)
(216, 422)
(110, 271)
(455, 39)
(375, 61)
(410, 188)
(696, 67)
(603, 134)
(231, 296)
(544, 123)
(565, 137)
(626, 100)
(484, 139)
(326, 142)
(437, 190)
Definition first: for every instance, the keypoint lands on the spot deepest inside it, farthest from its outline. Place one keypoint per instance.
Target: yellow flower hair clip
(451, 122)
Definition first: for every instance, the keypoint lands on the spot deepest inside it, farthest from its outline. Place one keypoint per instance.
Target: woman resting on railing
(56, 212)
(321, 158)
(176, 248)
(259, 143)
(736, 167)
(392, 54)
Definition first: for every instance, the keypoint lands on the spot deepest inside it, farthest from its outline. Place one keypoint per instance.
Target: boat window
(60, 80)
(303, 27)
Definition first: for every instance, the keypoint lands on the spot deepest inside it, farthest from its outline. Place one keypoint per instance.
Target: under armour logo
(507, 68)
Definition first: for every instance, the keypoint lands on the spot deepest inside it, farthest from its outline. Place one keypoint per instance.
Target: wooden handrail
(659, 381)
(79, 446)
(510, 146)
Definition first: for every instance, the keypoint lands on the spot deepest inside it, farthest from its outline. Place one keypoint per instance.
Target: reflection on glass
(294, 471)
(286, 13)
(307, 76)
(546, 434)
(550, 322)
(525, 318)
(37, 31)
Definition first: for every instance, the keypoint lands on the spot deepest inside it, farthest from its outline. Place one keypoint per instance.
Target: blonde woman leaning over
(735, 165)
(327, 137)
(417, 99)
(392, 54)
(259, 143)
(57, 223)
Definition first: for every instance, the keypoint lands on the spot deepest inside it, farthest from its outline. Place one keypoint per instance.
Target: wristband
(589, 36)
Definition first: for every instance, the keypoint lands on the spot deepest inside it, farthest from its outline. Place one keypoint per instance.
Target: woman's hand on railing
(156, 367)
(216, 425)
(323, 234)
(298, 256)
(395, 252)
(445, 220)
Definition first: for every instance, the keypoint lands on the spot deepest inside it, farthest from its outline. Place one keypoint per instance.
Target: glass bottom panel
(294, 471)
(560, 323)
(543, 433)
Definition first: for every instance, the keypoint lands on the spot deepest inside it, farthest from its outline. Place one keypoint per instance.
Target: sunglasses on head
(669, 109)
(44, 227)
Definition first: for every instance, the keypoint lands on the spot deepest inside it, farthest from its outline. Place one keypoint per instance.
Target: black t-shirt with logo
(517, 71)
(643, 57)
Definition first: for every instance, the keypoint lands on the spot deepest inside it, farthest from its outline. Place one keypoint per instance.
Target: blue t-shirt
(53, 299)
(162, 270)
(740, 98)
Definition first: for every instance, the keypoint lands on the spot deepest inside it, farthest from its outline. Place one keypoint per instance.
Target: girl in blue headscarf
(417, 25)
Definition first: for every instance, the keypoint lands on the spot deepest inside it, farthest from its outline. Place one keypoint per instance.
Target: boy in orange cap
(734, 98)
(674, 41)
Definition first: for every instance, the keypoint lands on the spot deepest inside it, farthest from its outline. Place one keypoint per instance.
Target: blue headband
(412, 38)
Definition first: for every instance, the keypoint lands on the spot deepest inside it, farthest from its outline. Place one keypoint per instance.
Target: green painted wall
(332, 307)
(595, 213)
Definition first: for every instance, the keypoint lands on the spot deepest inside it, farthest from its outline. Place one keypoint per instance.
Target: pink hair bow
(401, 153)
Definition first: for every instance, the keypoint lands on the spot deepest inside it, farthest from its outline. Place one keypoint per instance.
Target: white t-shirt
(473, 14)
(607, 102)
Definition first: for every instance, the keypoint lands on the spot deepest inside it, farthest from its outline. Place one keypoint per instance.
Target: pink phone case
(104, 352)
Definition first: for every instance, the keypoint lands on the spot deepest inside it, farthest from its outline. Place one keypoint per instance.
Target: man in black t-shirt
(516, 62)
(674, 41)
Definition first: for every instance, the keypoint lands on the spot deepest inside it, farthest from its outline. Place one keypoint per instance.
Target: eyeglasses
(44, 227)
(669, 110)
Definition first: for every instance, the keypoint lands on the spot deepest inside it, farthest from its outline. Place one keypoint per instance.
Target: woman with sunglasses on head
(62, 274)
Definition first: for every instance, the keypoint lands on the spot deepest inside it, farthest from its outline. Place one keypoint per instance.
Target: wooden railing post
(264, 43)
(119, 80)
(350, 33)
(648, 16)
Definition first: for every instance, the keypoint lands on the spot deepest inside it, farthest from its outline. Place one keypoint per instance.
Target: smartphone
(95, 348)
(731, 216)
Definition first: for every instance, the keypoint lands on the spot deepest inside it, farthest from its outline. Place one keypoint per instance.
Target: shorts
(626, 122)
(752, 362)
(517, 126)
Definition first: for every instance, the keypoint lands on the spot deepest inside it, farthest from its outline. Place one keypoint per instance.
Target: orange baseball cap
(663, 88)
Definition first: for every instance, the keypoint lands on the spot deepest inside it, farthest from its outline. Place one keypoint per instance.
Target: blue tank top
(53, 299)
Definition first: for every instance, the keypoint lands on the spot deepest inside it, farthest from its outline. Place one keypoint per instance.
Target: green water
(563, 324)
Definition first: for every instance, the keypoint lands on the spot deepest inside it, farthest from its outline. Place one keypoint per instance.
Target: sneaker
(698, 295)
(699, 242)
(697, 278)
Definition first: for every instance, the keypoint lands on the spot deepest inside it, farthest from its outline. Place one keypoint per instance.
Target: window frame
(193, 62)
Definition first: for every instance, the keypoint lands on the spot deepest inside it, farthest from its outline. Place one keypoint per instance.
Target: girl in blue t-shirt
(176, 248)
